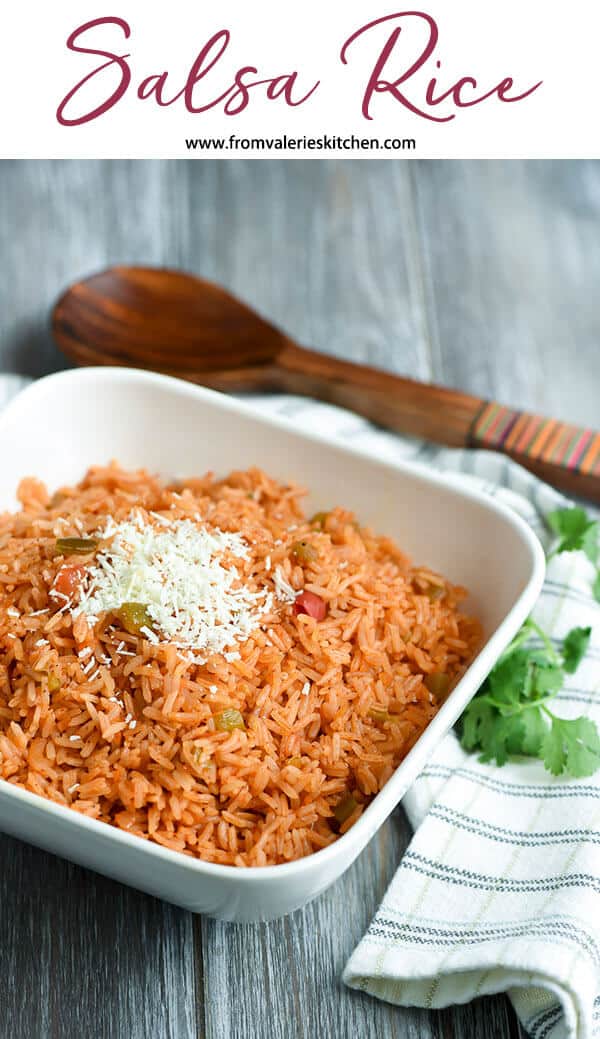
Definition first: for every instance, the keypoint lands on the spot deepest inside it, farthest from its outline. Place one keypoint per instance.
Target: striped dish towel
(499, 890)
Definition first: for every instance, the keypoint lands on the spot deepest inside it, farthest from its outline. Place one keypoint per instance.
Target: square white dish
(62, 424)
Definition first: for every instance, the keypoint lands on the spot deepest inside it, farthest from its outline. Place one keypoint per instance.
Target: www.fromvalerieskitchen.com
(325, 142)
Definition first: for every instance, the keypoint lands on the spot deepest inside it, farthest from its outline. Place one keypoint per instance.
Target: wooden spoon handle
(564, 455)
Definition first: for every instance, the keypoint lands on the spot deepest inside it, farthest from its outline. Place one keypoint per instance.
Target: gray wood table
(480, 275)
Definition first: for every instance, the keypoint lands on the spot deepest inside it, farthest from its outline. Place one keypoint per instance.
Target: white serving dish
(65, 422)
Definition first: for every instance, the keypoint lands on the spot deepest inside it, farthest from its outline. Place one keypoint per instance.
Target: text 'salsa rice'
(202, 665)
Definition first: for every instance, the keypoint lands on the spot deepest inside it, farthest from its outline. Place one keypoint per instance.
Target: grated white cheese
(163, 519)
(177, 572)
(109, 528)
(283, 589)
(306, 689)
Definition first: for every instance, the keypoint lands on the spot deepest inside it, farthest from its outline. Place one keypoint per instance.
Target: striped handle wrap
(542, 439)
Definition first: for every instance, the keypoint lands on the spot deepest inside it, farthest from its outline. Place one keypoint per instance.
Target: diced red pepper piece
(68, 580)
(313, 605)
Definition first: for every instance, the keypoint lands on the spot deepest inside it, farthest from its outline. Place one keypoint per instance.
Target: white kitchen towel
(500, 887)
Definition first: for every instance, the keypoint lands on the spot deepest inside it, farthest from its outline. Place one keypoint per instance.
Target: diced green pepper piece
(344, 808)
(76, 546)
(378, 714)
(229, 719)
(438, 684)
(133, 616)
(319, 519)
(434, 592)
(53, 683)
(304, 552)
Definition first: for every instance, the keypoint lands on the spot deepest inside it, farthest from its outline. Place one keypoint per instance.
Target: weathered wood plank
(511, 267)
(82, 955)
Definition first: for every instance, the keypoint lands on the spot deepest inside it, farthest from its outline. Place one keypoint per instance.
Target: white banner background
(528, 41)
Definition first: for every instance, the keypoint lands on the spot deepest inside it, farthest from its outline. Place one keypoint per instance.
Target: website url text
(325, 142)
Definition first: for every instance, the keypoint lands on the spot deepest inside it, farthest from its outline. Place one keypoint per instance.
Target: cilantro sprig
(510, 715)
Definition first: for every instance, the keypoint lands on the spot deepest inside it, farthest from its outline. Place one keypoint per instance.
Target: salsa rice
(239, 696)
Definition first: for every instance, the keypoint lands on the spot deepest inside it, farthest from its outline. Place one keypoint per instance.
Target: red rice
(330, 707)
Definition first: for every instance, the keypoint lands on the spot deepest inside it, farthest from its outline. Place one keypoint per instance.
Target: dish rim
(492, 647)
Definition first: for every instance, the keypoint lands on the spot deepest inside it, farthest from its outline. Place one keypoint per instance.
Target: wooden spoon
(182, 325)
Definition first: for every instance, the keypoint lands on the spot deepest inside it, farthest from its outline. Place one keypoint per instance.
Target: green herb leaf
(577, 532)
(510, 715)
(508, 679)
(506, 739)
(548, 678)
(553, 751)
(477, 723)
(495, 735)
(534, 723)
(575, 647)
(572, 745)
